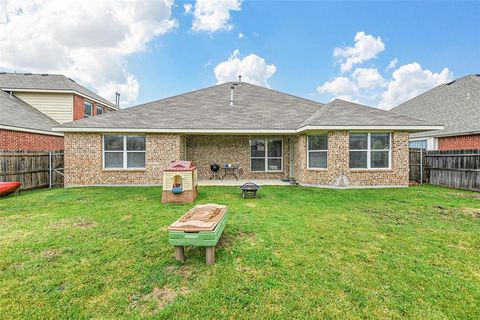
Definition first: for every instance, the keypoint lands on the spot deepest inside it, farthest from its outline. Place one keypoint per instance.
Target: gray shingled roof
(255, 108)
(455, 104)
(344, 113)
(16, 113)
(46, 82)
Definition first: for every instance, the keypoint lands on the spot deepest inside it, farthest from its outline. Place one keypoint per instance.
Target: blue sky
(295, 38)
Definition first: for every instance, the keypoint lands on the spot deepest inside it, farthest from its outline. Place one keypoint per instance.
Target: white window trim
(369, 150)
(98, 106)
(308, 152)
(124, 151)
(266, 158)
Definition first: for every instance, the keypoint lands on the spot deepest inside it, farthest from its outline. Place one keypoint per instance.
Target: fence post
(421, 165)
(50, 169)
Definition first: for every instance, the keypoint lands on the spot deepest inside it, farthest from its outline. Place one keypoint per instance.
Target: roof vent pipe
(240, 78)
(231, 95)
(117, 99)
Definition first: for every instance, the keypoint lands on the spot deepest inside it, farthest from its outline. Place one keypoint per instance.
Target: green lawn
(293, 253)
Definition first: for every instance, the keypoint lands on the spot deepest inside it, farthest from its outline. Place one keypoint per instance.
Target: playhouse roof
(180, 165)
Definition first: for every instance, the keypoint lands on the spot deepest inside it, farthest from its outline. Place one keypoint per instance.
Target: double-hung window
(266, 155)
(99, 110)
(317, 151)
(123, 152)
(87, 109)
(370, 150)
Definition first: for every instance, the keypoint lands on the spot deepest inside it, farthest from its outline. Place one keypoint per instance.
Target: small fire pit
(249, 190)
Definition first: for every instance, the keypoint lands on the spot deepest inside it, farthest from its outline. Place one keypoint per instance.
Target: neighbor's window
(317, 151)
(369, 150)
(123, 152)
(87, 109)
(420, 144)
(99, 110)
(266, 155)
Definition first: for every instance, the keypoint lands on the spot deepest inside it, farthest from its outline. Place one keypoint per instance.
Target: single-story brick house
(456, 105)
(269, 134)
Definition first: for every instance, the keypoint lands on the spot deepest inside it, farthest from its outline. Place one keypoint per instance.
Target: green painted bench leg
(179, 254)
(210, 255)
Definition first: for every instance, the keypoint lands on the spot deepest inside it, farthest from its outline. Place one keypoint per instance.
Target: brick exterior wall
(17, 140)
(338, 163)
(459, 142)
(78, 107)
(83, 160)
(206, 150)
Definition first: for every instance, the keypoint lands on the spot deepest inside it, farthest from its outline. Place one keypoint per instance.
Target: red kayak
(8, 187)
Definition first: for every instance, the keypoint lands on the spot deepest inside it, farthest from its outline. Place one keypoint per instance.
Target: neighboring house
(54, 97)
(455, 104)
(22, 127)
(270, 135)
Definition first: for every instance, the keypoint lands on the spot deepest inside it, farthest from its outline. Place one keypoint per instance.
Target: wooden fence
(452, 168)
(32, 168)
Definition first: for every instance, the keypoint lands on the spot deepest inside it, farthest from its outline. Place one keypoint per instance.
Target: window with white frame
(99, 110)
(123, 152)
(370, 150)
(266, 155)
(87, 109)
(317, 151)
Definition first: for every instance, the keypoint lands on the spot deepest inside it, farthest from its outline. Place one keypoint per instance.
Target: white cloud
(85, 40)
(241, 36)
(367, 78)
(214, 15)
(339, 87)
(187, 8)
(392, 65)
(366, 47)
(252, 68)
(409, 81)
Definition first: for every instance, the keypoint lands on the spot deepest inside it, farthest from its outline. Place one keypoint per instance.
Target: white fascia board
(62, 91)
(250, 131)
(204, 131)
(409, 128)
(50, 133)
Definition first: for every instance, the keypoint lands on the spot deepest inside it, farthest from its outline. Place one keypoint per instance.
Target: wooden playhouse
(179, 182)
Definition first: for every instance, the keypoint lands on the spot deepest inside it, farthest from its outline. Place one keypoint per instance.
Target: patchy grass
(293, 253)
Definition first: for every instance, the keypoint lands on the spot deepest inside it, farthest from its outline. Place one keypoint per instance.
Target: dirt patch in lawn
(228, 239)
(51, 254)
(156, 300)
(127, 217)
(184, 271)
(475, 213)
(79, 222)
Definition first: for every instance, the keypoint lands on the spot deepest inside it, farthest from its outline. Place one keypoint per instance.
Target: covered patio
(233, 182)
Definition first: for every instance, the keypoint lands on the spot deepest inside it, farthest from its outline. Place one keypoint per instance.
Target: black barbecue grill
(215, 168)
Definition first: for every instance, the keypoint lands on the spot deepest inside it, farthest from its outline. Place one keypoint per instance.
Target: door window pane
(274, 164)
(317, 159)
(257, 148)
(380, 141)
(379, 159)
(135, 159)
(275, 148)
(135, 143)
(358, 141)
(113, 159)
(317, 142)
(258, 165)
(113, 143)
(358, 159)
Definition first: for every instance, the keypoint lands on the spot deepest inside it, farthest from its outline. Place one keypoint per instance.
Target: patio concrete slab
(233, 182)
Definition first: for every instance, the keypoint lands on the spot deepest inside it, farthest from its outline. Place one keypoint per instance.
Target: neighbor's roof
(255, 109)
(455, 104)
(19, 116)
(47, 82)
